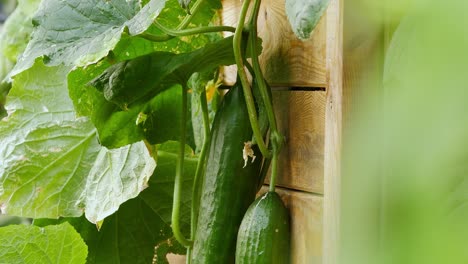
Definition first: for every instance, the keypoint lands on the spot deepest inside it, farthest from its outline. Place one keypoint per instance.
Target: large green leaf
(129, 89)
(140, 229)
(130, 81)
(303, 15)
(80, 32)
(52, 164)
(35, 245)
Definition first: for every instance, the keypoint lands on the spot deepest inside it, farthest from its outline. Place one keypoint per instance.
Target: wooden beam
(333, 132)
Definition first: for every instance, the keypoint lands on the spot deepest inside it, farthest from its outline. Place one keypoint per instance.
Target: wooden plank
(176, 259)
(301, 119)
(333, 131)
(306, 212)
(286, 60)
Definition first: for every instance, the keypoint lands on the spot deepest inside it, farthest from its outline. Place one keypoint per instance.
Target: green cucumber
(228, 187)
(264, 235)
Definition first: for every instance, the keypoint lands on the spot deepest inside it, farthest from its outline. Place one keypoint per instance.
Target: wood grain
(301, 119)
(306, 211)
(333, 132)
(176, 259)
(286, 60)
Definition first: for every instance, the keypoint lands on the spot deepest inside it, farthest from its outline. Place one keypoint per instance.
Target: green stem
(155, 38)
(193, 31)
(200, 165)
(181, 26)
(276, 138)
(245, 82)
(197, 181)
(264, 171)
(178, 177)
(259, 75)
(274, 171)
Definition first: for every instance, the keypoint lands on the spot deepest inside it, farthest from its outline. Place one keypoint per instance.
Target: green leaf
(129, 88)
(164, 115)
(159, 195)
(129, 81)
(140, 229)
(81, 32)
(171, 16)
(199, 83)
(52, 244)
(303, 15)
(52, 164)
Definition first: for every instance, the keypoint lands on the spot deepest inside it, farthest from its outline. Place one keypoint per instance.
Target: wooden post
(333, 132)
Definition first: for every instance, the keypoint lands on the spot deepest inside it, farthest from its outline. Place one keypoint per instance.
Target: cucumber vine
(276, 138)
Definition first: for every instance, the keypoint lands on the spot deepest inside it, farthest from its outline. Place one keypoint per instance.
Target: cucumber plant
(107, 125)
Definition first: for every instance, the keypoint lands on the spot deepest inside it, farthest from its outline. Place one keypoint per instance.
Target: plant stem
(185, 22)
(178, 177)
(155, 38)
(245, 82)
(202, 159)
(264, 171)
(276, 138)
(200, 168)
(193, 31)
(274, 172)
(258, 71)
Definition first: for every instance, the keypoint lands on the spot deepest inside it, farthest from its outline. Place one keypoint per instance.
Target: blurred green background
(405, 160)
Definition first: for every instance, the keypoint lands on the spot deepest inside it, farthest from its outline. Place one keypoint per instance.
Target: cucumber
(264, 235)
(228, 187)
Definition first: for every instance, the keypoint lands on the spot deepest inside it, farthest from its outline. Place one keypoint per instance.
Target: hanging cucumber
(228, 187)
(264, 235)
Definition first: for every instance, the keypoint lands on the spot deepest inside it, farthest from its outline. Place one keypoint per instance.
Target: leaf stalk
(178, 177)
(237, 48)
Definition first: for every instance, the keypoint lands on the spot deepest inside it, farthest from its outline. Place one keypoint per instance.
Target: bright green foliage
(36, 245)
(52, 164)
(78, 32)
(128, 82)
(64, 112)
(129, 88)
(303, 15)
(131, 234)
